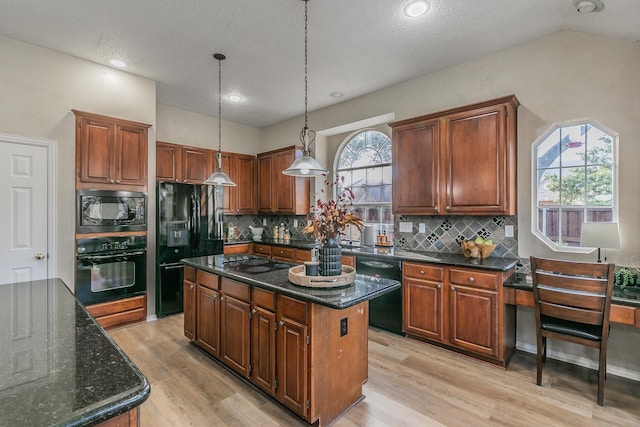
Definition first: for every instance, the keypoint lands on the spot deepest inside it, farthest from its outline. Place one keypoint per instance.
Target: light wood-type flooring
(410, 384)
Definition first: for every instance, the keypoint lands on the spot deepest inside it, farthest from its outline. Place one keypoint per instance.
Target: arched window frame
(534, 181)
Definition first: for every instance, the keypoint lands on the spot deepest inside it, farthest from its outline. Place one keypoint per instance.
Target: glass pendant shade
(305, 166)
(219, 178)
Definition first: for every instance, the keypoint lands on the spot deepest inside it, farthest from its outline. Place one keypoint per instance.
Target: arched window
(573, 174)
(365, 164)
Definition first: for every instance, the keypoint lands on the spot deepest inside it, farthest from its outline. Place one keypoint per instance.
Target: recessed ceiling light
(336, 94)
(117, 63)
(234, 97)
(588, 6)
(416, 8)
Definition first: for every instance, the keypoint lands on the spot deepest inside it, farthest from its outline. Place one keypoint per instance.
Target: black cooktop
(253, 265)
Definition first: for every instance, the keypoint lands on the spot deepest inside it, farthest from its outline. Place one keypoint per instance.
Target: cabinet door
(284, 185)
(131, 155)
(196, 164)
(168, 162)
(235, 334)
(244, 176)
(96, 147)
(263, 349)
(265, 184)
(292, 389)
(189, 302)
(229, 199)
(424, 309)
(208, 320)
(474, 319)
(475, 161)
(416, 176)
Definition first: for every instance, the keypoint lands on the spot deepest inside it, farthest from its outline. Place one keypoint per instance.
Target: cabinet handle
(471, 279)
(190, 286)
(281, 323)
(438, 286)
(448, 207)
(453, 289)
(112, 181)
(421, 271)
(253, 311)
(222, 298)
(117, 181)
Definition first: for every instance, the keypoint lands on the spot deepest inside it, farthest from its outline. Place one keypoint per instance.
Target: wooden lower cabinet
(208, 319)
(291, 349)
(461, 308)
(127, 419)
(119, 312)
(189, 302)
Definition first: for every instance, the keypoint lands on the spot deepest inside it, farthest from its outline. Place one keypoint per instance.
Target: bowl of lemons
(477, 248)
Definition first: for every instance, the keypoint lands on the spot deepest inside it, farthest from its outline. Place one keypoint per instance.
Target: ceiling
(355, 46)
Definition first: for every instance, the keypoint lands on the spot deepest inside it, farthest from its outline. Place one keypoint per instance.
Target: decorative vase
(330, 258)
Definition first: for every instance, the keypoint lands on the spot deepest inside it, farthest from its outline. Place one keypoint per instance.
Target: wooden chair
(572, 301)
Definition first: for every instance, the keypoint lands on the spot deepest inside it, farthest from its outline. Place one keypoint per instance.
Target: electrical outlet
(344, 326)
(406, 226)
(508, 231)
(422, 228)
(295, 223)
(264, 222)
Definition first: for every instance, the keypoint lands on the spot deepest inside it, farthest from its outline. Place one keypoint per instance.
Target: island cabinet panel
(235, 333)
(263, 348)
(111, 153)
(189, 302)
(208, 319)
(462, 308)
(292, 362)
(465, 158)
(279, 193)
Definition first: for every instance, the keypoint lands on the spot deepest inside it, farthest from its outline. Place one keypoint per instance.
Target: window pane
(548, 223)
(387, 215)
(573, 145)
(366, 157)
(549, 187)
(359, 177)
(599, 147)
(373, 215)
(386, 193)
(599, 186)
(599, 215)
(375, 193)
(548, 151)
(346, 158)
(572, 220)
(374, 176)
(573, 186)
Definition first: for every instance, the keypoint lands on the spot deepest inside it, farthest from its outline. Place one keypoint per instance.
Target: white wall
(38, 89)
(563, 76)
(188, 128)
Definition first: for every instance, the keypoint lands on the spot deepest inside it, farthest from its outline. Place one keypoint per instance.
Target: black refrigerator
(189, 224)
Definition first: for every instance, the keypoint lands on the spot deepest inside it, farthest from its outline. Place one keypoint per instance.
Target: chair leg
(541, 344)
(544, 349)
(602, 372)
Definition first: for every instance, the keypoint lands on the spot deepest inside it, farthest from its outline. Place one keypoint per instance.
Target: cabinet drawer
(473, 279)
(303, 255)
(208, 280)
(292, 309)
(118, 306)
(237, 249)
(422, 271)
(283, 253)
(264, 299)
(190, 274)
(235, 289)
(261, 249)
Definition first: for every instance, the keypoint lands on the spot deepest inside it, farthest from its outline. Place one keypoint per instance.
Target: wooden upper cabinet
(180, 163)
(241, 168)
(416, 147)
(168, 162)
(110, 153)
(460, 161)
(277, 192)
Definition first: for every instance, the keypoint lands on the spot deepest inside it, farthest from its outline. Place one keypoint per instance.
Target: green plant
(624, 277)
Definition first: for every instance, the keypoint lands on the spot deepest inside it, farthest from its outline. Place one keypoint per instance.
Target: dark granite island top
(363, 289)
(57, 365)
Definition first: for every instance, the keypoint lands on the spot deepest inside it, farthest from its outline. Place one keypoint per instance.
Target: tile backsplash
(441, 233)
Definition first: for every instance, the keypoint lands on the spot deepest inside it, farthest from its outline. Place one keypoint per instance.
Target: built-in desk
(625, 304)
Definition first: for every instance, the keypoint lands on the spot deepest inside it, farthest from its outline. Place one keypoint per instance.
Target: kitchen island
(307, 348)
(59, 368)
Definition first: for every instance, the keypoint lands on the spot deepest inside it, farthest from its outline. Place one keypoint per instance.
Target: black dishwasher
(385, 312)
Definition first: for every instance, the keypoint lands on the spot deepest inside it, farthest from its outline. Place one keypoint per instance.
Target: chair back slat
(573, 268)
(578, 283)
(573, 314)
(571, 298)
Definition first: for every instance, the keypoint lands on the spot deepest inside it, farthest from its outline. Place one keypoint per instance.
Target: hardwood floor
(410, 384)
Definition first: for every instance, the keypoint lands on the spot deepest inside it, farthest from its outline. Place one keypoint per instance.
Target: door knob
(40, 255)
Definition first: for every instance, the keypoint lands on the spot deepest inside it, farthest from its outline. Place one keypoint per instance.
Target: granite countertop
(628, 296)
(363, 289)
(59, 367)
(451, 259)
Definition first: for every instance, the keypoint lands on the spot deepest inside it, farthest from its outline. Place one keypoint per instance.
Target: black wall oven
(110, 268)
(100, 211)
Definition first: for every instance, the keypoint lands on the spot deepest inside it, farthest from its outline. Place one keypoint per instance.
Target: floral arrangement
(330, 218)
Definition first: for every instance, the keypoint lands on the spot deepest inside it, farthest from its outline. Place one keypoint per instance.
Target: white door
(24, 209)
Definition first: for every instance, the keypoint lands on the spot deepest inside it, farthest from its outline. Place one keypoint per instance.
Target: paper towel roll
(368, 236)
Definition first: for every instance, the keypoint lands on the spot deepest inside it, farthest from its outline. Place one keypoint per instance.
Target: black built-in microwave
(100, 211)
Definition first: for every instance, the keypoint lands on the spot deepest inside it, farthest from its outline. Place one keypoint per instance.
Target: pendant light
(219, 178)
(305, 165)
